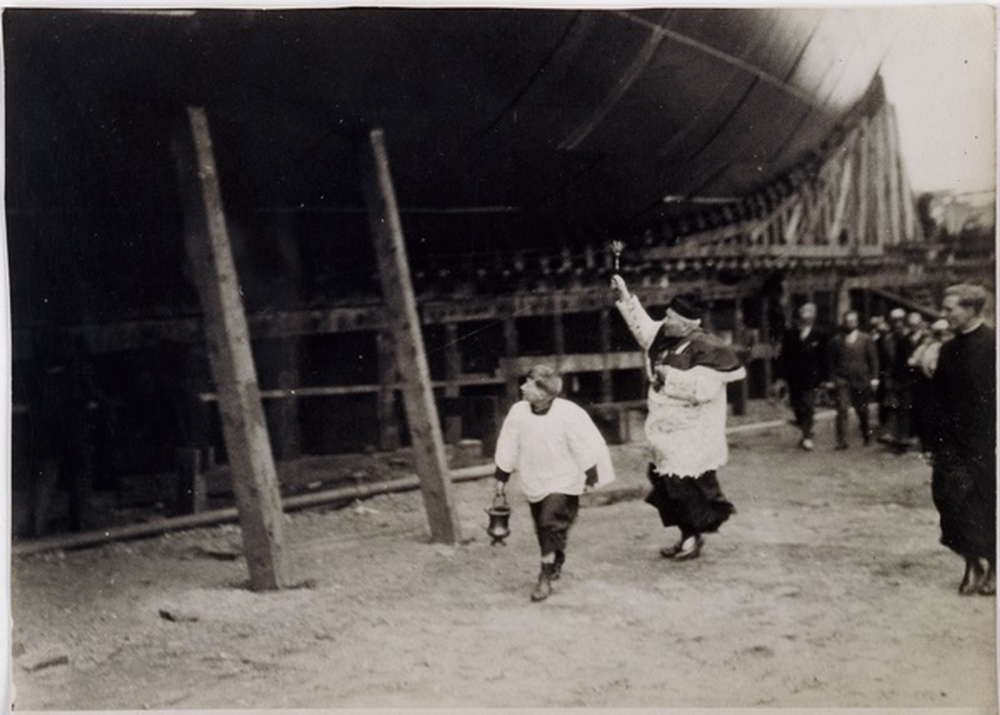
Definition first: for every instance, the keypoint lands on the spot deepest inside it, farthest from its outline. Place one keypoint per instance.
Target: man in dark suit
(854, 368)
(802, 367)
(963, 438)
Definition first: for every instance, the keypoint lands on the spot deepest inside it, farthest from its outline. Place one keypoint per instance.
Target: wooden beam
(192, 493)
(604, 328)
(765, 337)
(910, 229)
(881, 181)
(411, 356)
(861, 187)
(739, 339)
(577, 362)
(386, 386)
(510, 350)
(558, 337)
(843, 192)
(283, 418)
(453, 368)
(894, 188)
(791, 227)
(843, 299)
(255, 483)
(388, 425)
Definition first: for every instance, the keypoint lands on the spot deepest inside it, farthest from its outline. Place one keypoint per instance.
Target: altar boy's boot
(543, 589)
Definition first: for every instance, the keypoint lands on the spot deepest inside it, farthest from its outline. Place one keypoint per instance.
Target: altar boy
(558, 452)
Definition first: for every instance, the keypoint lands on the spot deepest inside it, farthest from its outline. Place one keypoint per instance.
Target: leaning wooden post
(411, 357)
(255, 483)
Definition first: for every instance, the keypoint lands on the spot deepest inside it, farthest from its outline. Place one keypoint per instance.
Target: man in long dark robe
(963, 438)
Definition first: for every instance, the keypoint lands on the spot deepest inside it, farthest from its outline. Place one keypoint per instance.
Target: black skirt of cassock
(695, 504)
(964, 492)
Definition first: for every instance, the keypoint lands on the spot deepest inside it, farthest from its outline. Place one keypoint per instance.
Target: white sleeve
(506, 454)
(642, 327)
(588, 446)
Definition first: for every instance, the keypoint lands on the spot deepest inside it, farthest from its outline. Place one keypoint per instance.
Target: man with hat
(895, 373)
(854, 370)
(885, 351)
(802, 366)
(688, 371)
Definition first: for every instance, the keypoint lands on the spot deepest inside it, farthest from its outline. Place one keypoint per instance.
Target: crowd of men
(935, 388)
(892, 365)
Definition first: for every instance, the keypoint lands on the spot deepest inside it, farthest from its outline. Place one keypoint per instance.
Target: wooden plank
(192, 493)
(843, 300)
(510, 350)
(452, 368)
(843, 191)
(386, 387)
(604, 326)
(255, 483)
(765, 334)
(283, 416)
(894, 188)
(881, 181)
(411, 356)
(388, 425)
(790, 231)
(558, 338)
(909, 227)
(739, 339)
(912, 229)
(577, 362)
(863, 149)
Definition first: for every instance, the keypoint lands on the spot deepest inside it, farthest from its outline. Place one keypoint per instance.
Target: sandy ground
(828, 588)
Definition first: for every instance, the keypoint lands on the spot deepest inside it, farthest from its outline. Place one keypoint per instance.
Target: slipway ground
(828, 588)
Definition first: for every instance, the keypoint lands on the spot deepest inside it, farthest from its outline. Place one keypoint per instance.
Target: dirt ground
(828, 588)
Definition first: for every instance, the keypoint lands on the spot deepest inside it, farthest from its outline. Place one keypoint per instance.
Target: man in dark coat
(803, 366)
(885, 394)
(963, 438)
(854, 369)
(905, 379)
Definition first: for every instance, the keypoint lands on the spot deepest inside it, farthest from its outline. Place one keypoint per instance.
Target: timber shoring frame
(366, 316)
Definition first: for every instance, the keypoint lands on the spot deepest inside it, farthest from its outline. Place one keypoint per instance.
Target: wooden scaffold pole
(404, 324)
(255, 482)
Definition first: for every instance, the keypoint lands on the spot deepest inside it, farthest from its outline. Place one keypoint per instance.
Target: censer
(499, 515)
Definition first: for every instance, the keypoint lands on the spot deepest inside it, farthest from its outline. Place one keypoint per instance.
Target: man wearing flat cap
(688, 371)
